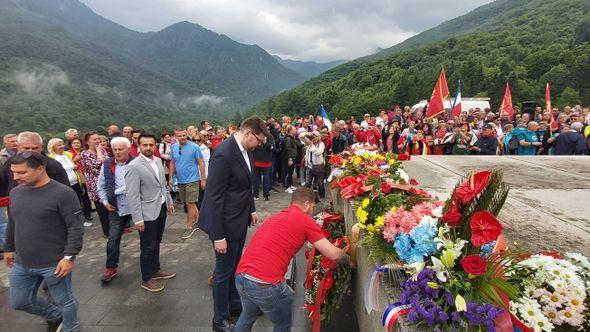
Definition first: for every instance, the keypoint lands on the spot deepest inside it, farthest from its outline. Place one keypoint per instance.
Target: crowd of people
(132, 179)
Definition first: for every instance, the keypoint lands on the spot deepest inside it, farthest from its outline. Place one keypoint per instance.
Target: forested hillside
(535, 42)
(62, 65)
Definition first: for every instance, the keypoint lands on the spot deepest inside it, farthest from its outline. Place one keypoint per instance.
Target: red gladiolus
(453, 216)
(473, 186)
(485, 228)
(474, 264)
(413, 182)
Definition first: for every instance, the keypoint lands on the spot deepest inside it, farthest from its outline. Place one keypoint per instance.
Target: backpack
(513, 143)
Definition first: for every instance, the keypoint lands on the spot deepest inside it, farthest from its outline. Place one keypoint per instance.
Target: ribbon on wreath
(393, 312)
(315, 310)
(372, 288)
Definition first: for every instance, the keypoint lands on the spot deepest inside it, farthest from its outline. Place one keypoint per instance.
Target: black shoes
(54, 325)
(224, 326)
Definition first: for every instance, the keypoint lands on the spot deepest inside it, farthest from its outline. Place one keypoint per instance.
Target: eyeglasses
(260, 141)
(198, 140)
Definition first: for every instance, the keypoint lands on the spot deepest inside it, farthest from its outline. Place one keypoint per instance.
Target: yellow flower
(344, 162)
(366, 155)
(393, 209)
(371, 229)
(432, 284)
(380, 221)
(362, 215)
(391, 162)
(365, 203)
(356, 161)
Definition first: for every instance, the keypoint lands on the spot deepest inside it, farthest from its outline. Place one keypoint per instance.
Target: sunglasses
(198, 140)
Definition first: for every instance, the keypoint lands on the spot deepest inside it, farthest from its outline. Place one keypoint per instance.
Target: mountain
(308, 69)
(62, 65)
(527, 43)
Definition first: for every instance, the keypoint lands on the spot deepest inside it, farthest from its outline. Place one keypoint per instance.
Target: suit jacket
(228, 202)
(144, 191)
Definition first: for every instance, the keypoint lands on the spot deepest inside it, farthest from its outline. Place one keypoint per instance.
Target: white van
(466, 103)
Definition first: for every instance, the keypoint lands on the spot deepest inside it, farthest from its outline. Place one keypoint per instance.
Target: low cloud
(106, 90)
(40, 80)
(200, 100)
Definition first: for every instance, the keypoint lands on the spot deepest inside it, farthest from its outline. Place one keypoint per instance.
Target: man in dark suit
(227, 211)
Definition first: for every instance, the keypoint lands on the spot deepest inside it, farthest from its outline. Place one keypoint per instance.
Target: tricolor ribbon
(393, 312)
(372, 288)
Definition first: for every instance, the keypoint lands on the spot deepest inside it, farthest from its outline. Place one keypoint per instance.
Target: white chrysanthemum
(580, 259)
(438, 212)
(428, 220)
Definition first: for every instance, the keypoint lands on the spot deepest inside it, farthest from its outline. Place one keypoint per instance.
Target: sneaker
(152, 285)
(256, 198)
(273, 190)
(266, 199)
(289, 191)
(108, 275)
(87, 224)
(89, 218)
(292, 188)
(188, 233)
(54, 325)
(163, 275)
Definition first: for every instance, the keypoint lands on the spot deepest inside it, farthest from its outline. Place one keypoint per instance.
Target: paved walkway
(185, 304)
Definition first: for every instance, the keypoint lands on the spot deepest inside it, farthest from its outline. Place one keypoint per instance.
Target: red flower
(453, 216)
(473, 186)
(385, 187)
(485, 228)
(403, 156)
(553, 254)
(413, 182)
(474, 264)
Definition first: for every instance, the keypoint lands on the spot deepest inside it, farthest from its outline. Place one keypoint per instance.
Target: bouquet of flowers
(326, 282)
(554, 292)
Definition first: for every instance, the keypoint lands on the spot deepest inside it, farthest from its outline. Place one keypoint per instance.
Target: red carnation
(413, 182)
(474, 264)
(485, 228)
(385, 187)
(453, 216)
(473, 186)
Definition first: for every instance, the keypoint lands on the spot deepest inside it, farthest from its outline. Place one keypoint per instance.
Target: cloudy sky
(317, 30)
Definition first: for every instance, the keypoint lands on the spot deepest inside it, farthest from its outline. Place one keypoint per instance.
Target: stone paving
(185, 304)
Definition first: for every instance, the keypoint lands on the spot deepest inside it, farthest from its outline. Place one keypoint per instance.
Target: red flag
(506, 106)
(439, 94)
(552, 123)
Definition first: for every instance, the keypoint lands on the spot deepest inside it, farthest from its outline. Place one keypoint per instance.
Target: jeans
(149, 244)
(85, 201)
(226, 299)
(318, 181)
(103, 216)
(274, 301)
(265, 173)
(117, 223)
(287, 174)
(3, 224)
(24, 284)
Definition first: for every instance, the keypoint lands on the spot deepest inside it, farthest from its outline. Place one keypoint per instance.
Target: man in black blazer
(227, 212)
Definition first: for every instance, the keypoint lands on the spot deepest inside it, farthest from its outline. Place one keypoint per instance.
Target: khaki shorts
(189, 192)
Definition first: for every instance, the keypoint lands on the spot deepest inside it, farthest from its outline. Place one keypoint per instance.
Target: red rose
(485, 228)
(413, 182)
(474, 264)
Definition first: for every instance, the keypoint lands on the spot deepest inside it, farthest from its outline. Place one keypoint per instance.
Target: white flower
(402, 174)
(439, 268)
(438, 212)
(428, 220)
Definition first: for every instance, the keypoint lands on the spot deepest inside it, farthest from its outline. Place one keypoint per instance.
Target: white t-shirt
(68, 165)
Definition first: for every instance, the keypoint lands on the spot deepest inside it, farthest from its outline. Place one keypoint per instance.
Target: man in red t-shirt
(260, 276)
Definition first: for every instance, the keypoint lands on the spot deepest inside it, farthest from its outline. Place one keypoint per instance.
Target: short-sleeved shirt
(531, 137)
(276, 242)
(186, 167)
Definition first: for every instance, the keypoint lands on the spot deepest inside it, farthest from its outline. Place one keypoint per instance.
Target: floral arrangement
(326, 282)
(554, 292)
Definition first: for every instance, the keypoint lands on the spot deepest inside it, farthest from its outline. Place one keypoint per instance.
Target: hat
(367, 115)
(487, 126)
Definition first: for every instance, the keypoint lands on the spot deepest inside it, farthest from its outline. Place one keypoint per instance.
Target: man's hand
(170, 182)
(254, 219)
(475, 148)
(203, 183)
(64, 267)
(9, 259)
(220, 246)
(170, 209)
(109, 207)
(140, 226)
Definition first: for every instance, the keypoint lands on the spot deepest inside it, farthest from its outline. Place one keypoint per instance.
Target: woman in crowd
(165, 148)
(106, 145)
(428, 136)
(461, 140)
(92, 158)
(56, 149)
(418, 145)
(201, 140)
(438, 146)
(76, 149)
(392, 137)
(505, 140)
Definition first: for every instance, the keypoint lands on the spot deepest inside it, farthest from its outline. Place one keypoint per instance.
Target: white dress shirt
(152, 162)
(244, 152)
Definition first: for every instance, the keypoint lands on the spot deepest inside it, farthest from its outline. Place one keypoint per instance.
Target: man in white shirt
(149, 199)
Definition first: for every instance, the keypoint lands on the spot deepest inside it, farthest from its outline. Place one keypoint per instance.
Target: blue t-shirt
(186, 167)
(528, 137)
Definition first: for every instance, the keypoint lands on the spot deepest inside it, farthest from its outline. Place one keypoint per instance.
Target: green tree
(569, 97)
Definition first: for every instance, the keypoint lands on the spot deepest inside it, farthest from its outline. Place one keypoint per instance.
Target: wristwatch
(70, 258)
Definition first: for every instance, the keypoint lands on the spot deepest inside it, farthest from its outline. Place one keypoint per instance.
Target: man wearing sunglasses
(41, 243)
(227, 211)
